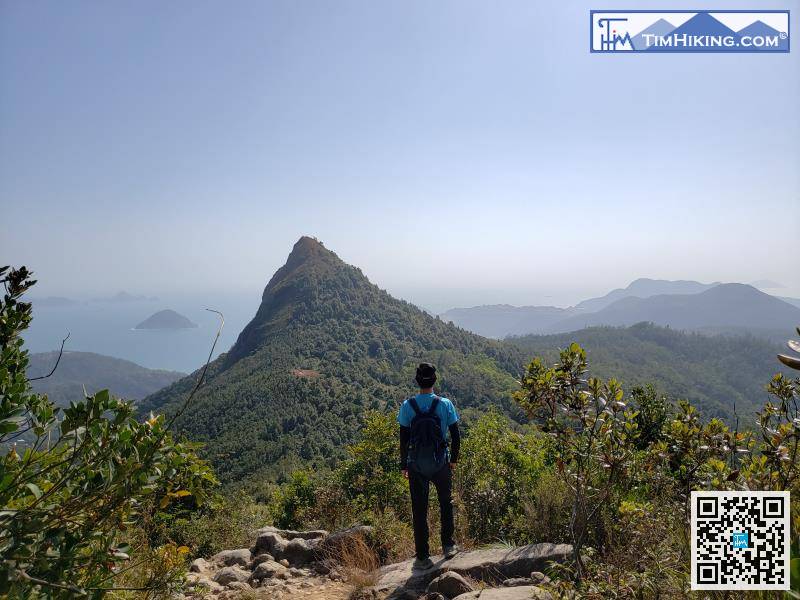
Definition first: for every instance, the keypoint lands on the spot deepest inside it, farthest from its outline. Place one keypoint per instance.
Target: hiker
(425, 420)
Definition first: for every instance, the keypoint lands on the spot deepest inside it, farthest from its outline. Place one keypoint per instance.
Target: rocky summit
(321, 565)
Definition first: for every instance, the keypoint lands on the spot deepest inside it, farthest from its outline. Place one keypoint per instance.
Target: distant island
(53, 302)
(123, 296)
(166, 319)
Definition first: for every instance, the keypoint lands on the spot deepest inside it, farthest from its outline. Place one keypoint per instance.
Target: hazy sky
(458, 152)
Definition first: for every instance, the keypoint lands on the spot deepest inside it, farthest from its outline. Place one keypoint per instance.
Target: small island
(166, 319)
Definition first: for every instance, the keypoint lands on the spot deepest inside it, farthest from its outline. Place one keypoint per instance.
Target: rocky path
(285, 564)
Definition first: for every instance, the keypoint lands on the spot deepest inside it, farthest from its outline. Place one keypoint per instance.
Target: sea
(108, 327)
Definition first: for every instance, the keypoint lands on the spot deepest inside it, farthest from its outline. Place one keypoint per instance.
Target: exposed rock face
(492, 565)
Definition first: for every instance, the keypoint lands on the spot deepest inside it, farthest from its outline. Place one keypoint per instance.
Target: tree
(68, 496)
(593, 430)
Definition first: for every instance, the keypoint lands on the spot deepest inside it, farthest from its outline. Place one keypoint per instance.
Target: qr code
(740, 541)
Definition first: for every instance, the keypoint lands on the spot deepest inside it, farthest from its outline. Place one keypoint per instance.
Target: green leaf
(34, 490)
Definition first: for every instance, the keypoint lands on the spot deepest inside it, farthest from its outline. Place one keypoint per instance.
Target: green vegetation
(300, 416)
(713, 373)
(73, 500)
(95, 372)
(609, 473)
(326, 346)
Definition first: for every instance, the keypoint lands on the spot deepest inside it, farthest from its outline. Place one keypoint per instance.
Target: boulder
(266, 570)
(298, 552)
(491, 565)
(269, 542)
(284, 562)
(522, 592)
(228, 575)
(450, 585)
(228, 558)
(257, 560)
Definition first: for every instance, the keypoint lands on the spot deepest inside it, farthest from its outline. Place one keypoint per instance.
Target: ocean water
(108, 328)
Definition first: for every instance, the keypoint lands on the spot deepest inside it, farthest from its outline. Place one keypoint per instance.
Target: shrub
(294, 500)
(69, 497)
(497, 471)
(229, 522)
(594, 433)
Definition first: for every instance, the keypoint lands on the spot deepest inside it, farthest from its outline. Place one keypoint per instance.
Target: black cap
(426, 375)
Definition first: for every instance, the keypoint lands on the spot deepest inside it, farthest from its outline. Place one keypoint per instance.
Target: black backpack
(427, 449)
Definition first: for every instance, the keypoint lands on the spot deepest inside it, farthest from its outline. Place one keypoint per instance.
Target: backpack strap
(412, 402)
(434, 404)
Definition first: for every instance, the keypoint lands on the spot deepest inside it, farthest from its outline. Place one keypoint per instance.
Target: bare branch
(58, 360)
(202, 377)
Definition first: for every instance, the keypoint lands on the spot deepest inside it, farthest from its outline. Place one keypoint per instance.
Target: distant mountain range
(728, 307)
(690, 305)
(166, 319)
(95, 372)
(644, 288)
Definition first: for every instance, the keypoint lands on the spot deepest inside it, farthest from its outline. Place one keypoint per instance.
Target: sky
(458, 152)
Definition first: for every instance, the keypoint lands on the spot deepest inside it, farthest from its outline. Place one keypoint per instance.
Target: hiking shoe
(423, 563)
(450, 551)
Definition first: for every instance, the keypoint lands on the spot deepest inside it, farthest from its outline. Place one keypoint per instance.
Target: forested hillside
(712, 372)
(79, 371)
(324, 346)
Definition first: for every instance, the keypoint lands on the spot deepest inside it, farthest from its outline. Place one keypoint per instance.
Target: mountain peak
(307, 247)
(311, 276)
(306, 251)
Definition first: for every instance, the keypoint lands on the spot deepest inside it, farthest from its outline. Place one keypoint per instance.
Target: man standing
(425, 420)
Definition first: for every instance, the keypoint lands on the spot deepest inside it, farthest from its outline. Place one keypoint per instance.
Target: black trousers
(420, 488)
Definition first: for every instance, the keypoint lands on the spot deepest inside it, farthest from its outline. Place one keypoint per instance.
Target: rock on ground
(303, 565)
(228, 558)
(491, 565)
(522, 592)
(449, 585)
(267, 570)
(228, 575)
